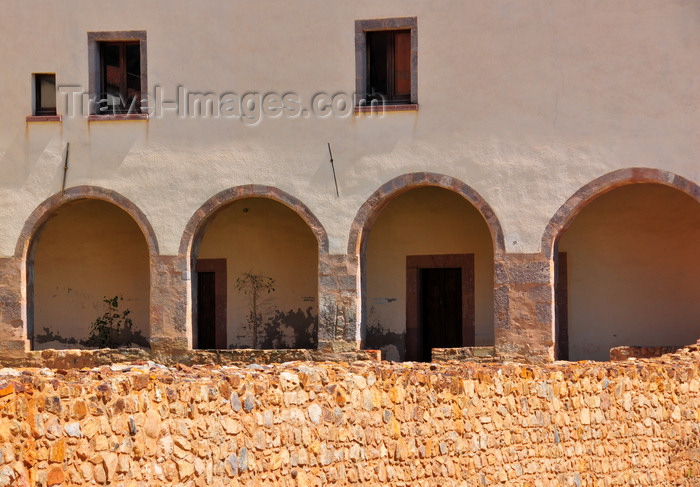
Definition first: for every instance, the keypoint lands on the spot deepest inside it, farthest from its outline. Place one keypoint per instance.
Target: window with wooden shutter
(389, 66)
(386, 58)
(118, 74)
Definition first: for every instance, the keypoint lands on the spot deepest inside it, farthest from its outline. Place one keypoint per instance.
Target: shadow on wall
(51, 339)
(290, 329)
(113, 329)
(391, 344)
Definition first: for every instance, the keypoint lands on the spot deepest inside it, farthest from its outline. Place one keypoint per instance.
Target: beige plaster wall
(88, 251)
(524, 101)
(424, 221)
(633, 271)
(264, 237)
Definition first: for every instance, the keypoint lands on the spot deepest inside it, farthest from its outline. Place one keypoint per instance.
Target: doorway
(561, 300)
(439, 302)
(211, 304)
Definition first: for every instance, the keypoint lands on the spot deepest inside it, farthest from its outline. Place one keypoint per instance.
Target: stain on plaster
(391, 344)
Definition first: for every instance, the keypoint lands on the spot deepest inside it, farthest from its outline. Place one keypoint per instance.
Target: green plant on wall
(113, 328)
(256, 287)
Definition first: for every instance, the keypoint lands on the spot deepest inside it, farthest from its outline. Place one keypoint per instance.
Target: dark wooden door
(441, 309)
(439, 303)
(211, 303)
(561, 310)
(206, 310)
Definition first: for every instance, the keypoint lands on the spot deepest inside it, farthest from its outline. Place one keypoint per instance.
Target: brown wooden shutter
(402, 63)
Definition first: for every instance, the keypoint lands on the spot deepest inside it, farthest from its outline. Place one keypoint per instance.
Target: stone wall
(75, 359)
(311, 424)
(618, 354)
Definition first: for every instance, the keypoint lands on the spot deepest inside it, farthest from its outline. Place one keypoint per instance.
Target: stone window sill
(44, 118)
(114, 118)
(409, 107)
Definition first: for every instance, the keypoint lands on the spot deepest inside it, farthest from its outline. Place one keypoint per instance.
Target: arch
(580, 199)
(30, 236)
(565, 254)
(369, 215)
(34, 224)
(370, 210)
(197, 224)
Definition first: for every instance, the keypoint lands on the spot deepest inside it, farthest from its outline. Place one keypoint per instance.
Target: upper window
(44, 94)
(386, 61)
(389, 66)
(118, 80)
(120, 76)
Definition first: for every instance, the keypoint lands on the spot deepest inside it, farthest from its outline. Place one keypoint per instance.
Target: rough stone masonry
(362, 423)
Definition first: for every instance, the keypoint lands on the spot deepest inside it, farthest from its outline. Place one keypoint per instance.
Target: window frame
(39, 109)
(383, 44)
(362, 27)
(95, 39)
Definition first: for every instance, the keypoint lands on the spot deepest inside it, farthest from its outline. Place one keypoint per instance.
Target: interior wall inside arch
(633, 259)
(422, 221)
(264, 237)
(88, 251)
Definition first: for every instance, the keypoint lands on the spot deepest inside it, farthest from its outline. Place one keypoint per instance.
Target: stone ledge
(471, 354)
(44, 118)
(618, 354)
(76, 359)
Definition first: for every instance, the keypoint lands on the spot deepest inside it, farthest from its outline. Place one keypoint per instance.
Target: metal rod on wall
(65, 169)
(333, 167)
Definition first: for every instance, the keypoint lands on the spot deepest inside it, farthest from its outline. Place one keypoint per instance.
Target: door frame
(414, 263)
(218, 267)
(561, 306)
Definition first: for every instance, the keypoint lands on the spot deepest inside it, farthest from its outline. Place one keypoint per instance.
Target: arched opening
(255, 278)
(627, 266)
(427, 264)
(87, 251)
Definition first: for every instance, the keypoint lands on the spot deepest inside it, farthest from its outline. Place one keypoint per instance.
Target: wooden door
(561, 309)
(441, 309)
(206, 310)
(439, 303)
(211, 303)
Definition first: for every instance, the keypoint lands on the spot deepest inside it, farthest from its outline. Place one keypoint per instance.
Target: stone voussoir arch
(566, 214)
(370, 210)
(42, 214)
(198, 223)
